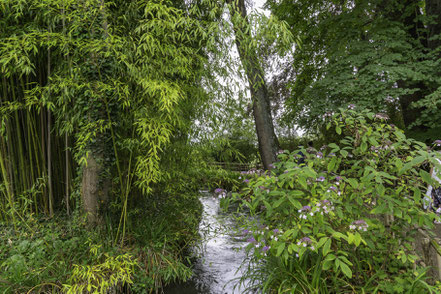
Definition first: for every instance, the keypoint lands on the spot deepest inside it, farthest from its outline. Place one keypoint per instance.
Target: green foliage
(158, 268)
(371, 53)
(345, 221)
(61, 256)
(38, 255)
(100, 278)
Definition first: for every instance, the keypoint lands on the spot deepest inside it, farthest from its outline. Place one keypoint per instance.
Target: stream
(220, 253)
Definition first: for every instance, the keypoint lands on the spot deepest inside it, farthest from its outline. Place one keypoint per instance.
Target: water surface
(220, 254)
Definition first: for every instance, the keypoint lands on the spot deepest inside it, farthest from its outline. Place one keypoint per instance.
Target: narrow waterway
(220, 254)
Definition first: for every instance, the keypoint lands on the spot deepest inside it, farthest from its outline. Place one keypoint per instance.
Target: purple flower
(437, 142)
(324, 207)
(305, 208)
(220, 192)
(332, 188)
(246, 181)
(304, 211)
(245, 232)
(276, 231)
(321, 179)
(252, 240)
(351, 106)
(360, 222)
(306, 242)
(359, 225)
(265, 248)
(271, 166)
(319, 155)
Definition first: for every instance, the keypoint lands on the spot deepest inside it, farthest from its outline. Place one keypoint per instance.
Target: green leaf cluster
(347, 218)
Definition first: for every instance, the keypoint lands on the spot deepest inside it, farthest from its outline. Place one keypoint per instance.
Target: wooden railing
(234, 166)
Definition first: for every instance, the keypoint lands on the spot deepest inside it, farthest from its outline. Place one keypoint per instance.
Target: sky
(258, 4)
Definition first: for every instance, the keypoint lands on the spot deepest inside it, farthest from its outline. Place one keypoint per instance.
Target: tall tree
(268, 143)
(376, 54)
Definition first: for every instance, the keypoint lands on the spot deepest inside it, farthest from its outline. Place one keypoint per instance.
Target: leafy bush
(346, 221)
(102, 276)
(36, 255)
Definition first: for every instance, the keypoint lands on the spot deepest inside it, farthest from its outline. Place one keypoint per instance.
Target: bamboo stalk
(37, 152)
(66, 137)
(49, 126)
(8, 190)
(21, 182)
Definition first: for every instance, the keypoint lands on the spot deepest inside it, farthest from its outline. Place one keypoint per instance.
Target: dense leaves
(371, 53)
(345, 220)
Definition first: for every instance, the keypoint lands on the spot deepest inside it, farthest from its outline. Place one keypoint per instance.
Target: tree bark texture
(90, 190)
(94, 187)
(268, 143)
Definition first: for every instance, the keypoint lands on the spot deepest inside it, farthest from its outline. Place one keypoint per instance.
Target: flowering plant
(348, 216)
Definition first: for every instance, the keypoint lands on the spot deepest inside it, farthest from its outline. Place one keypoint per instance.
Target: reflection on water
(220, 255)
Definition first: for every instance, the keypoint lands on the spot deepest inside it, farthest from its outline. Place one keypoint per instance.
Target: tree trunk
(95, 189)
(90, 189)
(433, 10)
(408, 13)
(268, 143)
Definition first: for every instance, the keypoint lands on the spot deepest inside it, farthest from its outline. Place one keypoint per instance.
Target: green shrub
(346, 221)
(37, 255)
(108, 272)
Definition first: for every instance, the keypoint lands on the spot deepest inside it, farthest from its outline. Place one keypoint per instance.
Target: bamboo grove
(96, 97)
